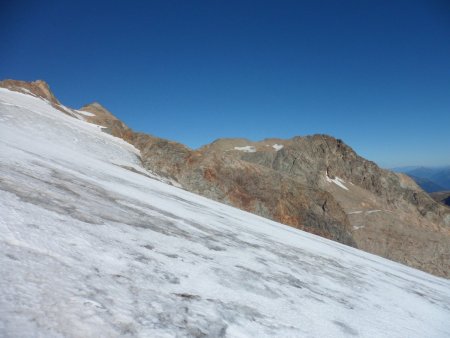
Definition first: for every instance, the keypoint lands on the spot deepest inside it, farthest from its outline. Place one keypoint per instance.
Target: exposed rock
(378, 211)
(166, 158)
(249, 186)
(37, 88)
(294, 185)
(315, 183)
(104, 118)
(389, 214)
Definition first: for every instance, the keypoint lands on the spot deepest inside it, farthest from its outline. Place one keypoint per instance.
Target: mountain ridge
(431, 179)
(314, 183)
(95, 245)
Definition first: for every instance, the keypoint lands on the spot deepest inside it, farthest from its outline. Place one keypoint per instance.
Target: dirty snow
(90, 248)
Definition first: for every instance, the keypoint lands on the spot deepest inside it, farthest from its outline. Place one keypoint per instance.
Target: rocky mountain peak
(37, 88)
(103, 117)
(98, 110)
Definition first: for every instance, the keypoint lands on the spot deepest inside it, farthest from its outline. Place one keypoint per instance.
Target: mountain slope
(426, 184)
(430, 179)
(442, 177)
(315, 183)
(239, 183)
(96, 246)
(389, 215)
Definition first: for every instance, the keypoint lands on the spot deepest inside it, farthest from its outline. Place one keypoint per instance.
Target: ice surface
(90, 248)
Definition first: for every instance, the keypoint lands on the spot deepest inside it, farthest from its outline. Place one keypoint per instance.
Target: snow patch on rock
(85, 113)
(338, 181)
(278, 147)
(246, 149)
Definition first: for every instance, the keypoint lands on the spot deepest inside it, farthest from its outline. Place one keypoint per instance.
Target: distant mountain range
(430, 179)
(442, 196)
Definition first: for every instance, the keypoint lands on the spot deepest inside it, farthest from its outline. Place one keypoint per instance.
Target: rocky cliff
(315, 183)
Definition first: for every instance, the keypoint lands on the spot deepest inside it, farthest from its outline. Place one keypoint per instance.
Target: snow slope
(92, 249)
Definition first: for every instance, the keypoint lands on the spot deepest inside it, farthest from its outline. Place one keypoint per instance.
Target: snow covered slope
(90, 248)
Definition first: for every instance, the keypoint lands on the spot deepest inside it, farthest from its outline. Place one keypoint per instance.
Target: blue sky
(373, 73)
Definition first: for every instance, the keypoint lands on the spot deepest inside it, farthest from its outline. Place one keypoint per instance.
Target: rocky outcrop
(389, 214)
(292, 181)
(249, 186)
(37, 88)
(315, 183)
(112, 125)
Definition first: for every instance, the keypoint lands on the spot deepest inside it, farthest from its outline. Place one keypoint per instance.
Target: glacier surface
(90, 248)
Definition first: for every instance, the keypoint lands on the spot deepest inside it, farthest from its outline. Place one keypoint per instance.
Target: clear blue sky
(373, 73)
